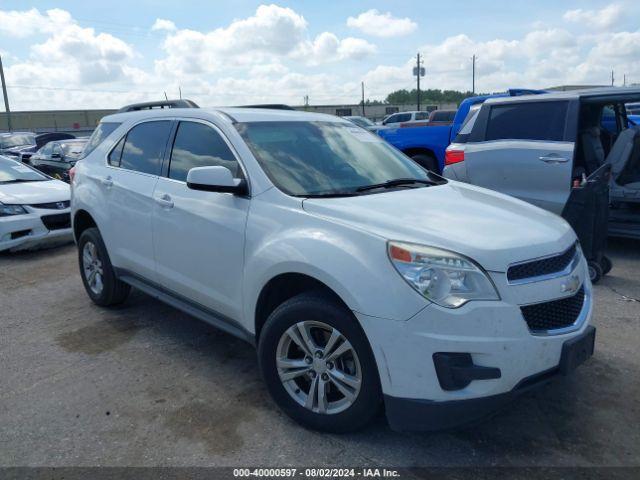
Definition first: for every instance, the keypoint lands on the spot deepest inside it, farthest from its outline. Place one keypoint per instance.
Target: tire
(112, 291)
(426, 161)
(595, 271)
(606, 264)
(314, 311)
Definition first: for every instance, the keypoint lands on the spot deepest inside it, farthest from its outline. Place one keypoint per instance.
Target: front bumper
(499, 352)
(24, 232)
(408, 414)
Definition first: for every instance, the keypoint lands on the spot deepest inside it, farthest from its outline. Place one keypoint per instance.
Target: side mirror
(215, 179)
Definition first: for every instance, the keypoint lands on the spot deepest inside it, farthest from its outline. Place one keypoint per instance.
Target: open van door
(525, 150)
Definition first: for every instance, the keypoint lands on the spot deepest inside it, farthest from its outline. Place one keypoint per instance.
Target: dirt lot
(147, 385)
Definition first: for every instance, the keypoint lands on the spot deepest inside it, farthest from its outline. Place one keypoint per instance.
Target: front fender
(353, 263)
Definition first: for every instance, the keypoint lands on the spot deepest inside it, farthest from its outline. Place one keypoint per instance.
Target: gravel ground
(147, 385)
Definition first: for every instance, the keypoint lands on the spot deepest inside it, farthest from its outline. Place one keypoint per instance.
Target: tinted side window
(102, 131)
(422, 115)
(116, 153)
(528, 121)
(144, 146)
(198, 145)
(402, 117)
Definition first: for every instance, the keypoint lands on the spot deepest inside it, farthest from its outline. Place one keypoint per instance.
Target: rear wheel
(98, 276)
(426, 161)
(318, 365)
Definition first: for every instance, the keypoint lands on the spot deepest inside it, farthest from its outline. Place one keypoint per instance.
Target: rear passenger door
(128, 181)
(524, 150)
(199, 236)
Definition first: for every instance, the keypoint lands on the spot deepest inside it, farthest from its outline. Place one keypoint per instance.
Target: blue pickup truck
(426, 145)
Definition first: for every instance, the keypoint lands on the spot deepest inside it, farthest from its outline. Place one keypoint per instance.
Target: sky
(72, 54)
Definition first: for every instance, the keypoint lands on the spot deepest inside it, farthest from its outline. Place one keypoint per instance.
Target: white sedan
(34, 208)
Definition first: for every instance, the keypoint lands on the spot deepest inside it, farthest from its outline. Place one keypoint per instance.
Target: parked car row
(51, 153)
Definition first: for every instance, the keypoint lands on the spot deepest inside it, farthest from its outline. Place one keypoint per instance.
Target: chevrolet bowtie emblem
(571, 285)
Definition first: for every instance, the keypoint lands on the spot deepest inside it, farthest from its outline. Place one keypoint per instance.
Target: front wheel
(595, 271)
(318, 365)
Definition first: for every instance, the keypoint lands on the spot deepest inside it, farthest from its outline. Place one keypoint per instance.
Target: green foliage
(404, 97)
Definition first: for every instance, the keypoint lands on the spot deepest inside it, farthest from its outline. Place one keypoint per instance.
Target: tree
(404, 97)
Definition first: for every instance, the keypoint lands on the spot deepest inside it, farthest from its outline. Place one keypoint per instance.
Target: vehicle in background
(411, 118)
(442, 117)
(41, 139)
(365, 123)
(34, 208)
(12, 143)
(633, 109)
(426, 145)
(541, 148)
(58, 157)
(360, 277)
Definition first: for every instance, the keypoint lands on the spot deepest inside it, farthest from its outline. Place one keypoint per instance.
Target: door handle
(553, 159)
(107, 182)
(164, 201)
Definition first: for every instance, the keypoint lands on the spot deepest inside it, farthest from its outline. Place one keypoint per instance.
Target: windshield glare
(17, 141)
(312, 158)
(73, 149)
(11, 171)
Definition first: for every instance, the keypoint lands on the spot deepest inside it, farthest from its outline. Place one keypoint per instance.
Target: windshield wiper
(21, 180)
(328, 195)
(395, 183)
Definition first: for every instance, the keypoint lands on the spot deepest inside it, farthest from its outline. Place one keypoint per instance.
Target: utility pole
(624, 80)
(473, 75)
(4, 94)
(363, 99)
(418, 71)
(612, 78)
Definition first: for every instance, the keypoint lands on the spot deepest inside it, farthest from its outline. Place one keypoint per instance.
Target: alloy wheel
(92, 267)
(318, 367)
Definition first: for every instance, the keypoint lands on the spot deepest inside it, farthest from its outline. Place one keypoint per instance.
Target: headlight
(8, 210)
(446, 278)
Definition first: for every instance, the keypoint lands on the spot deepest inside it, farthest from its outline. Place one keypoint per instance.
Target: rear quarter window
(527, 121)
(102, 131)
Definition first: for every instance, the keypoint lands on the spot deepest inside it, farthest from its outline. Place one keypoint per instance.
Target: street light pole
(4, 94)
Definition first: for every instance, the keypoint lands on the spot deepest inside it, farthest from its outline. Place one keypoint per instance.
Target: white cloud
(372, 22)
(272, 33)
(25, 23)
(605, 18)
(162, 24)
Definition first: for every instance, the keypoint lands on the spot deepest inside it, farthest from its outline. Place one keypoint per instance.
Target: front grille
(52, 205)
(544, 266)
(542, 317)
(57, 222)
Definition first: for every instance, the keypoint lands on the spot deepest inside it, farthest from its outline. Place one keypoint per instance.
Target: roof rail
(271, 106)
(181, 103)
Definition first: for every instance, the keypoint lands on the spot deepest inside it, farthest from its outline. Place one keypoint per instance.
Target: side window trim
(232, 149)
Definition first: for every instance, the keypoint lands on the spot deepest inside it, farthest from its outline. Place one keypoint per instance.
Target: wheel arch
(281, 288)
(81, 221)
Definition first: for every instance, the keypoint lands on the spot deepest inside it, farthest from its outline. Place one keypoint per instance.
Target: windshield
(11, 172)
(72, 149)
(361, 121)
(19, 140)
(315, 158)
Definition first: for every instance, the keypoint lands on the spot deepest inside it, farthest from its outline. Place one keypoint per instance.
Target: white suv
(362, 279)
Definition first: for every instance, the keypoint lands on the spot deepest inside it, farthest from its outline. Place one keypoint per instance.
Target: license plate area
(577, 350)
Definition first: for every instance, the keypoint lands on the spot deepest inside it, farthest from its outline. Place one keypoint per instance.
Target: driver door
(199, 236)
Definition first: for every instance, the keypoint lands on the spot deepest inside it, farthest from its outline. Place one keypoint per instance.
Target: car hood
(491, 228)
(29, 193)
